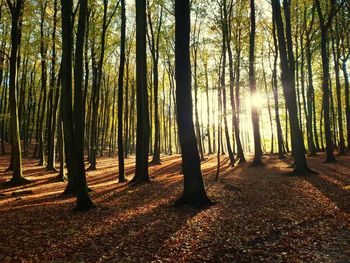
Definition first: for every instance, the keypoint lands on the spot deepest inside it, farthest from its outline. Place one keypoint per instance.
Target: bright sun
(257, 100)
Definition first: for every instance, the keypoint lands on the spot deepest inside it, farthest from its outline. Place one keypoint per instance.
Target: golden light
(257, 101)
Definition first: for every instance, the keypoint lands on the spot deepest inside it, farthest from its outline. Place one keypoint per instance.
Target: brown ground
(260, 215)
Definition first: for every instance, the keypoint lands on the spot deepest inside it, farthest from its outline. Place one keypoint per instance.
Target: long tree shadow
(338, 195)
(135, 239)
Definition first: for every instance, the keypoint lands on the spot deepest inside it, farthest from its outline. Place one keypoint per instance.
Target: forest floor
(260, 214)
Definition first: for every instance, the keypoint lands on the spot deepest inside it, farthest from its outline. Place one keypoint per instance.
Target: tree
(252, 85)
(142, 131)
(235, 122)
(97, 83)
(224, 18)
(288, 84)
(336, 57)
(54, 106)
(16, 11)
(43, 53)
(154, 37)
(325, 24)
(73, 121)
(275, 93)
(120, 95)
(194, 193)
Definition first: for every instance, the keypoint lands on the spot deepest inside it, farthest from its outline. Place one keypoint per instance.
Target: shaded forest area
(179, 131)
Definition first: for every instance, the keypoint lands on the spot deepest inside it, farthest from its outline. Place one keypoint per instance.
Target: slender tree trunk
(154, 46)
(252, 85)
(16, 155)
(325, 83)
(288, 83)
(223, 82)
(208, 108)
(336, 57)
(310, 105)
(347, 101)
(143, 126)
(52, 134)
(73, 121)
(43, 53)
(194, 191)
(120, 96)
(275, 94)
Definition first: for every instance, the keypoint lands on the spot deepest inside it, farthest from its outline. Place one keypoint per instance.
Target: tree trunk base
(241, 159)
(201, 201)
(51, 169)
(281, 156)
(91, 168)
(68, 191)
(331, 160)
(138, 181)
(257, 163)
(84, 204)
(155, 162)
(41, 163)
(18, 181)
(303, 171)
(122, 180)
(9, 169)
(59, 178)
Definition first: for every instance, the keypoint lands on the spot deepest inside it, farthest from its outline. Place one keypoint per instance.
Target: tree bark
(252, 85)
(194, 193)
(143, 126)
(288, 83)
(16, 10)
(325, 82)
(120, 95)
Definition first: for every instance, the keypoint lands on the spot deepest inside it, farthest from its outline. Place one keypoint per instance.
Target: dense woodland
(138, 82)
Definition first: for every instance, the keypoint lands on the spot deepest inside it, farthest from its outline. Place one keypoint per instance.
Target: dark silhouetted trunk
(16, 155)
(288, 83)
(143, 127)
(120, 95)
(194, 193)
(252, 85)
(73, 121)
(325, 81)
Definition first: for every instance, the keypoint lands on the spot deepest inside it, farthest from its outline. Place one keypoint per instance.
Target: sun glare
(257, 101)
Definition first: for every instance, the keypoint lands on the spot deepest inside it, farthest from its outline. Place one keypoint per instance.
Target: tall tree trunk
(143, 126)
(43, 53)
(252, 85)
(97, 82)
(336, 57)
(275, 93)
(16, 10)
(208, 108)
(120, 95)
(347, 101)
(194, 191)
(235, 121)
(154, 46)
(288, 83)
(73, 121)
(52, 134)
(325, 82)
(310, 101)
(223, 82)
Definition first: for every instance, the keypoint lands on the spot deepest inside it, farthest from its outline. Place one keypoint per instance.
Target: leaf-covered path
(259, 215)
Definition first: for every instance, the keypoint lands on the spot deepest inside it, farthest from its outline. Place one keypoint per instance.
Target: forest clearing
(260, 214)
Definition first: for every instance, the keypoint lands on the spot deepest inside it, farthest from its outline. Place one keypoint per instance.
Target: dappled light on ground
(259, 213)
